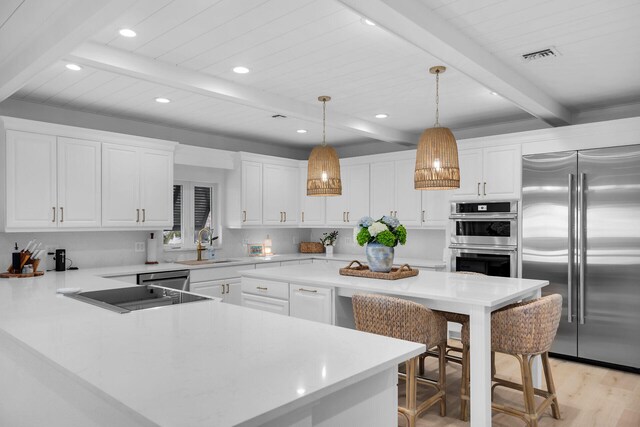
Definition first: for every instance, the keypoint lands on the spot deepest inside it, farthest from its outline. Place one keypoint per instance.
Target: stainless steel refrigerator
(581, 231)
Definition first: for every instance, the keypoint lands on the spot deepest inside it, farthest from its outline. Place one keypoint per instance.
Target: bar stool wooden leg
(551, 388)
(442, 376)
(421, 364)
(527, 384)
(411, 391)
(464, 384)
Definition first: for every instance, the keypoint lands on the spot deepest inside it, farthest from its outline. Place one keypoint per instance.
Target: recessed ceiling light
(240, 70)
(381, 116)
(163, 100)
(301, 131)
(73, 67)
(494, 93)
(368, 22)
(127, 32)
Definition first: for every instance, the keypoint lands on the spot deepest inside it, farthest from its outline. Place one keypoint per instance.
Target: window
(194, 208)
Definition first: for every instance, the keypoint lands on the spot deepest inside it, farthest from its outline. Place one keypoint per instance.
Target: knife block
(25, 258)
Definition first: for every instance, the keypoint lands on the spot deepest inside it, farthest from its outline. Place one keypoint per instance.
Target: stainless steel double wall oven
(484, 237)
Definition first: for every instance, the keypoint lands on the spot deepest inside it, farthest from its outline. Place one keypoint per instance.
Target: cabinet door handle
(308, 290)
(344, 216)
(422, 216)
(390, 213)
(395, 214)
(484, 189)
(302, 216)
(285, 216)
(54, 214)
(144, 215)
(61, 214)
(260, 288)
(244, 216)
(137, 215)
(348, 216)
(478, 189)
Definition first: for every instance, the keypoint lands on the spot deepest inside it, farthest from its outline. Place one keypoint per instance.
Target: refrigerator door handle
(582, 259)
(570, 252)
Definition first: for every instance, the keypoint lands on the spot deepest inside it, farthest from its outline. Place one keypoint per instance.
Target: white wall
(425, 244)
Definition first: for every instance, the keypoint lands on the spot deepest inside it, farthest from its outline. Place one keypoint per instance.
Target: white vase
(328, 250)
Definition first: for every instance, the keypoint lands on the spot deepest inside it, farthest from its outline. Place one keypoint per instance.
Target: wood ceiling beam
(118, 61)
(416, 23)
(40, 32)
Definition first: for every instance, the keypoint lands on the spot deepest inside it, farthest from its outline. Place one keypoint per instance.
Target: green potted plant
(380, 237)
(328, 240)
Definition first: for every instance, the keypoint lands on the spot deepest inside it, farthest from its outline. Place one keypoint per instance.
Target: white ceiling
(299, 49)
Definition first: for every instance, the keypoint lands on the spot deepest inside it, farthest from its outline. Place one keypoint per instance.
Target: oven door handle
(486, 249)
(489, 216)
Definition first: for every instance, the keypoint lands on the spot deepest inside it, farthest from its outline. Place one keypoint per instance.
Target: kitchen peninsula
(64, 362)
(476, 296)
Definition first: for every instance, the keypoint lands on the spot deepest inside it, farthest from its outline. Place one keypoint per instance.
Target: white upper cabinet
(79, 183)
(52, 182)
(312, 208)
(120, 186)
(137, 187)
(262, 190)
(251, 208)
(156, 188)
(489, 173)
(67, 178)
(353, 204)
(280, 194)
(502, 167)
(31, 201)
(393, 192)
(435, 208)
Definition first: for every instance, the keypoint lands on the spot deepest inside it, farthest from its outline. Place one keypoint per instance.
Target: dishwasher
(178, 279)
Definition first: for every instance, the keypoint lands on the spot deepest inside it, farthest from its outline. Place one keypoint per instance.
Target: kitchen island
(67, 363)
(476, 296)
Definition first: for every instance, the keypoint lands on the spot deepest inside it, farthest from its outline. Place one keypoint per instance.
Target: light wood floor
(589, 396)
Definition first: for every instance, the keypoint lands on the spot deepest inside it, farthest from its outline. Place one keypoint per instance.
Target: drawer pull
(260, 288)
(308, 290)
(54, 214)
(137, 215)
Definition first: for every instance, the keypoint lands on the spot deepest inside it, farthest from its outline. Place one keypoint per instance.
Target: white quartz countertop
(205, 363)
(240, 261)
(488, 291)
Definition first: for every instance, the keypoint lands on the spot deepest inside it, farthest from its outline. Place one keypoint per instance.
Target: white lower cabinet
(272, 305)
(228, 290)
(304, 302)
(266, 295)
(311, 303)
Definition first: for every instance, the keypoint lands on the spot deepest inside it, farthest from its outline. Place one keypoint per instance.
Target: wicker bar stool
(523, 330)
(463, 360)
(407, 320)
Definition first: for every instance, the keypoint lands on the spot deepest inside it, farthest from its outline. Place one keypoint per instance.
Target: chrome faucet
(199, 247)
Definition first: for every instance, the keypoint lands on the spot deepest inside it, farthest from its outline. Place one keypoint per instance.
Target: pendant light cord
(437, 124)
(324, 122)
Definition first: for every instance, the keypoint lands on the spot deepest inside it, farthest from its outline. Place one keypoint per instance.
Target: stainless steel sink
(125, 300)
(205, 261)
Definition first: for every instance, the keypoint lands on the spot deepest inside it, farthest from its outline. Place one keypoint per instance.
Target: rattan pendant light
(437, 157)
(323, 173)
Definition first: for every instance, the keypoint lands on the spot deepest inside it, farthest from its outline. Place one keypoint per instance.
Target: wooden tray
(360, 270)
(20, 275)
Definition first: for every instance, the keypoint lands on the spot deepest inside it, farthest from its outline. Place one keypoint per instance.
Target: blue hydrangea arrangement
(386, 230)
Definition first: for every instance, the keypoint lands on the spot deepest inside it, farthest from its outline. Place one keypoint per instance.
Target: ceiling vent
(550, 52)
(279, 116)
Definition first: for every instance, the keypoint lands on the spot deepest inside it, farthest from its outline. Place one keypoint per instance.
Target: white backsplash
(425, 244)
(87, 249)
